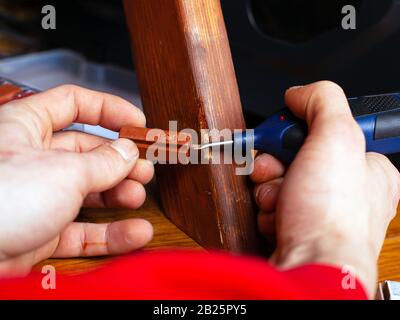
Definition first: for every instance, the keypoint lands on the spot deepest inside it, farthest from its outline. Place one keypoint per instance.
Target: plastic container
(49, 69)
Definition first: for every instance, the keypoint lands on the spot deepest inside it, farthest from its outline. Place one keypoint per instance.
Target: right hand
(335, 202)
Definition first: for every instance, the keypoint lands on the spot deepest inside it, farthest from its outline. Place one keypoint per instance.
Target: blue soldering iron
(282, 134)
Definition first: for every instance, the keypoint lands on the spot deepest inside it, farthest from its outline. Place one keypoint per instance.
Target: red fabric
(188, 275)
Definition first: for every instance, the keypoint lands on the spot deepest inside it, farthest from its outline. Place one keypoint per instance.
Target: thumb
(109, 164)
(325, 108)
(323, 99)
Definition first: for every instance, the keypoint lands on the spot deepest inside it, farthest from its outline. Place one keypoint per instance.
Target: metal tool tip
(212, 144)
(197, 147)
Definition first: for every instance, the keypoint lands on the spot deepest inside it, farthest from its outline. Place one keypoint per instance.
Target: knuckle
(262, 192)
(328, 87)
(320, 100)
(67, 90)
(257, 190)
(325, 90)
(68, 87)
(111, 160)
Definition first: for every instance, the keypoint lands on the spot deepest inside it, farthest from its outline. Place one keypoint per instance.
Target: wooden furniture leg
(185, 73)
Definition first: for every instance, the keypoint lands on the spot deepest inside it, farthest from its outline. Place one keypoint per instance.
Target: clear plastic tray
(49, 69)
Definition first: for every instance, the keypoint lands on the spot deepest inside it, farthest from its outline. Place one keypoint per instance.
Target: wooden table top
(167, 235)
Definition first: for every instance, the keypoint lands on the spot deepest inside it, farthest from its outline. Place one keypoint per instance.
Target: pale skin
(335, 202)
(333, 205)
(47, 175)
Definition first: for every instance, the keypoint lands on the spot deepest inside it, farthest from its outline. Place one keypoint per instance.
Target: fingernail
(294, 87)
(126, 148)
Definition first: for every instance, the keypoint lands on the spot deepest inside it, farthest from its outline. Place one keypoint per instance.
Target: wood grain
(185, 73)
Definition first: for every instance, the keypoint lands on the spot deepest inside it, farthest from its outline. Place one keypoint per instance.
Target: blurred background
(275, 43)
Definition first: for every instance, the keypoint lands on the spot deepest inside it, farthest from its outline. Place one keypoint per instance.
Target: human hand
(335, 202)
(46, 175)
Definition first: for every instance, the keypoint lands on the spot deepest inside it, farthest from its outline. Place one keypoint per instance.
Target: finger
(128, 194)
(107, 165)
(76, 141)
(320, 98)
(266, 167)
(325, 108)
(88, 239)
(143, 171)
(59, 107)
(266, 224)
(266, 194)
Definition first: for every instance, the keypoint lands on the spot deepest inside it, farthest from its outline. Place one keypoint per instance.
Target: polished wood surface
(185, 72)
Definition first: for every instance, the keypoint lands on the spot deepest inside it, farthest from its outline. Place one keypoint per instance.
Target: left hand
(46, 175)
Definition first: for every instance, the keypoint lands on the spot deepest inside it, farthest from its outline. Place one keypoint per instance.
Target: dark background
(275, 43)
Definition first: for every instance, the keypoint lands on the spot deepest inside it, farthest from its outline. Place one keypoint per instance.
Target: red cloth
(188, 275)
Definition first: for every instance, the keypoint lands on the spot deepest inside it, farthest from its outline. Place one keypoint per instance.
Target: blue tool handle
(282, 134)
